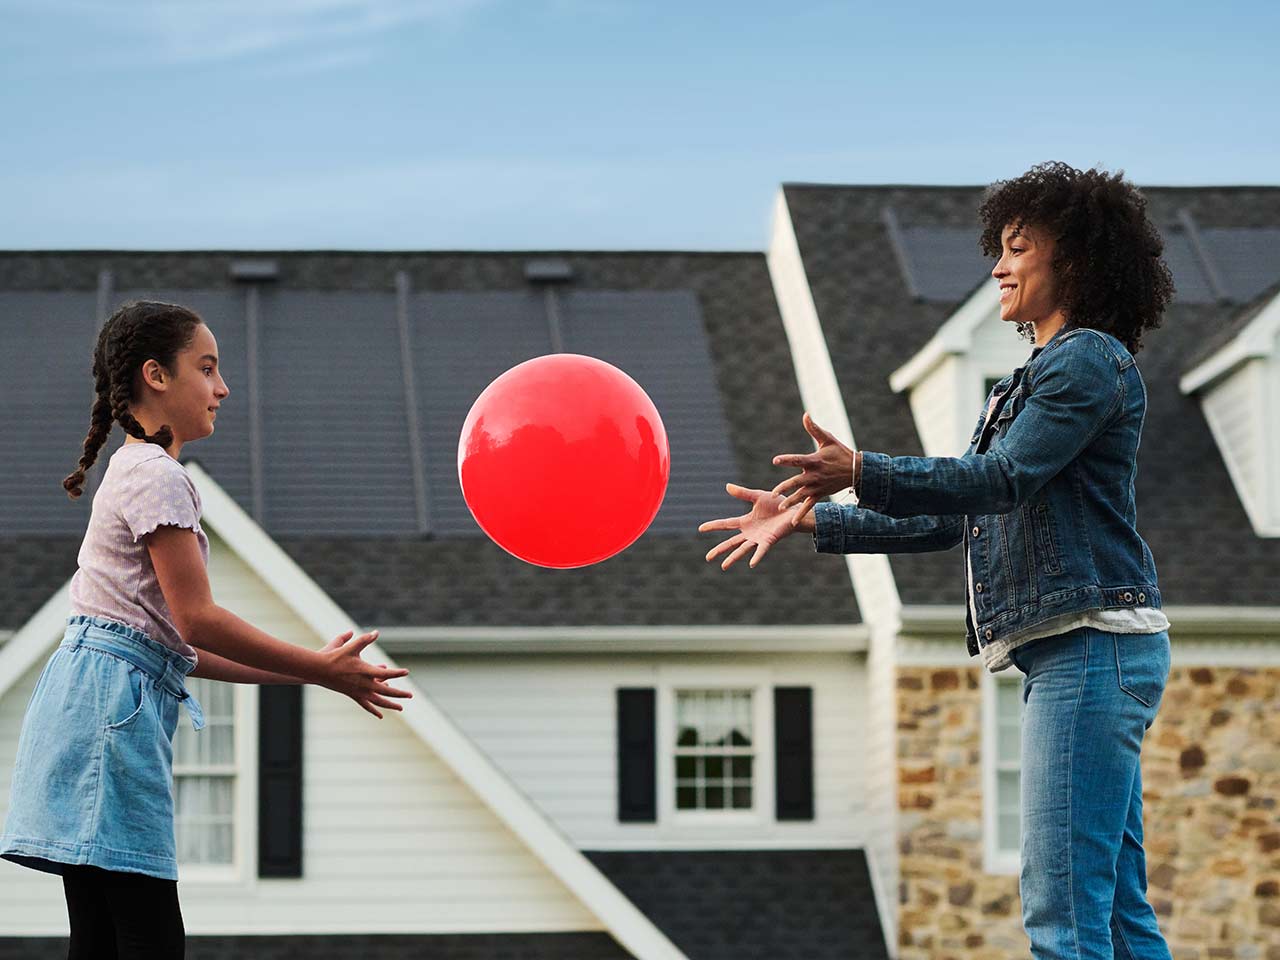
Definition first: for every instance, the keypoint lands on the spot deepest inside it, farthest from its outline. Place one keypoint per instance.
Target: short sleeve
(159, 494)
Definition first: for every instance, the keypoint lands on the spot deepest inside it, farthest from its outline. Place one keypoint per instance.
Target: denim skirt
(93, 779)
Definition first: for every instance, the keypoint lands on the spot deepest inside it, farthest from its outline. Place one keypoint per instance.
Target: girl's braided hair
(139, 331)
(1107, 254)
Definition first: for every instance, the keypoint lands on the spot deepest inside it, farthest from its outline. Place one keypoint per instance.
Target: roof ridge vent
(250, 271)
(548, 270)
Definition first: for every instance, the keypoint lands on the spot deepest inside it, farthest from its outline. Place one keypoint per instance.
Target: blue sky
(519, 124)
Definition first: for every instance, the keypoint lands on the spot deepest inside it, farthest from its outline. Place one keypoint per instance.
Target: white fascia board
(314, 607)
(835, 638)
(872, 577)
(1258, 339)
(955, 336)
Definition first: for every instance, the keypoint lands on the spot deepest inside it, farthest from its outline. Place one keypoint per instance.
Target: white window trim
(994, 860)
(242, 873)
(673, 822)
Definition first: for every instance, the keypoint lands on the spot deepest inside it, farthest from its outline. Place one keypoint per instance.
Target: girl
(92, 789)
(1058, 581)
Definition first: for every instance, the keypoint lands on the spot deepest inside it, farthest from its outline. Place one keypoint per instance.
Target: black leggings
(122, 916)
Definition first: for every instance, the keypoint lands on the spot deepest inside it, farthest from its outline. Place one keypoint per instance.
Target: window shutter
(280, 780)
(637, 756)
(793, 746)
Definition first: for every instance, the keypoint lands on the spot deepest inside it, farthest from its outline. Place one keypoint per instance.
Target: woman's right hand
(348, 673)
(767, 523)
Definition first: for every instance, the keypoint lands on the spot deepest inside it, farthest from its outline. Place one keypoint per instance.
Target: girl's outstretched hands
(767, 523)
(826, 471)
(348, 673)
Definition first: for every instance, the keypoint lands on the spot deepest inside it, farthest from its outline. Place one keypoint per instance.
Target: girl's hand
(767, 523)
(822, 473)
(348, 673)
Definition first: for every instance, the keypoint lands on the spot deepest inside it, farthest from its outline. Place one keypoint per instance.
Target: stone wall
(1211, 782)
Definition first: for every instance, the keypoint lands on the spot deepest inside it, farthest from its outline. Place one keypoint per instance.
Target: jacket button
(987, 634)
(1128, 597)
(1142, 598)
(976, 531)
(977, 587)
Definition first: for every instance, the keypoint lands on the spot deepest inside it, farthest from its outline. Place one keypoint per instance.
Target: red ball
(563, 460)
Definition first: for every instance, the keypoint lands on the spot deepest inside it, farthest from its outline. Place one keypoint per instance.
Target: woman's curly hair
(1107, 254)
(139, 331)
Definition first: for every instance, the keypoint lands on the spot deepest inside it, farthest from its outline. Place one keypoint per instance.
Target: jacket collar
(1065, 328)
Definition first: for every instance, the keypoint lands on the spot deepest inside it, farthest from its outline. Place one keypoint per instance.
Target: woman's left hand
(823, 473)
(767, 523)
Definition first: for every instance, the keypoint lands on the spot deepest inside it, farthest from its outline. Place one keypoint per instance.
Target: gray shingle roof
(754, 904)
(386, 572)
(1188, 511)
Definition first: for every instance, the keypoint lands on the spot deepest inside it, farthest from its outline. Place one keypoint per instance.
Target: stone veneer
(1211, 782)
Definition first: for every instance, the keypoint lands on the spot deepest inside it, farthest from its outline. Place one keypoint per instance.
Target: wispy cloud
(206, 31)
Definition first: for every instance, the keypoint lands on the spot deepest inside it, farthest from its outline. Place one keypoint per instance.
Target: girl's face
(187, 397)
(1028, 287)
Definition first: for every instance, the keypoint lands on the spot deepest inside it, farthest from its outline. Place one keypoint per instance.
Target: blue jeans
(1089, 698)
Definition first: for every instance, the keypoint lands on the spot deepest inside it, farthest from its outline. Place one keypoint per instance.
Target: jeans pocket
(1142, 665)
(135, 680)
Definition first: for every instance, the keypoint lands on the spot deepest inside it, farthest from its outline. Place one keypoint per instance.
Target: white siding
(1244, 428)
(393, 841)
(549, 722)
(939, 419)
(1271, 439)
(946, 402)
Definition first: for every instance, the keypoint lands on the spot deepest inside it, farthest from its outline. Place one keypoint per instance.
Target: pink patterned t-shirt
(143, 488)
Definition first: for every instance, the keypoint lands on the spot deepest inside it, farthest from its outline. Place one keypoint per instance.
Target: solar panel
(334, 430)
(460, 343)
(1248, 260)
(1189, 280)
(658, 338)
(945, 262)
(46, 393)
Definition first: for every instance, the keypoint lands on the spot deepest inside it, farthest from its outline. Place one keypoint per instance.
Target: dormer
(1237, 381)
(948, 381)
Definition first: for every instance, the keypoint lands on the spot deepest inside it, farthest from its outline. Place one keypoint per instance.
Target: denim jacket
(1043, 499)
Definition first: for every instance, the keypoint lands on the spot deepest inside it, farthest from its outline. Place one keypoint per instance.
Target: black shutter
(280, 781)
(637, 756)
(793, 748)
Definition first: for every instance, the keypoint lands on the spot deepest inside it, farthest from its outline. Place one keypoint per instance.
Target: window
(1002, 732)
(204, 777)
(715, 750)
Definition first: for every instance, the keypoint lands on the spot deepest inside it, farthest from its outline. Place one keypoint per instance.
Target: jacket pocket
(133, 698)
(1046, 540)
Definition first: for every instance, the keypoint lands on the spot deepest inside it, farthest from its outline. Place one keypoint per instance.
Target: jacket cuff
(828, 530)
(873, 483)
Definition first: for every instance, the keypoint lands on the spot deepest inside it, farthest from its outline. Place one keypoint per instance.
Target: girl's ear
(152, 373)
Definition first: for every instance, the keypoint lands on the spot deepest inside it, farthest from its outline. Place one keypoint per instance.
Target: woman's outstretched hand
(365, 683)
(826, 471)
(767, 523)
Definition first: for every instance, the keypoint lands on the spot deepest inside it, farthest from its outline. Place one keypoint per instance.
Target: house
(897, 339)
(647, 758)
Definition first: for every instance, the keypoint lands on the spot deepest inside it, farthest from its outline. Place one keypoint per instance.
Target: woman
(1059, 583)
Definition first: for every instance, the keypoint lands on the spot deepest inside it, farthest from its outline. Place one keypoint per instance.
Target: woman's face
(1028, 287)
